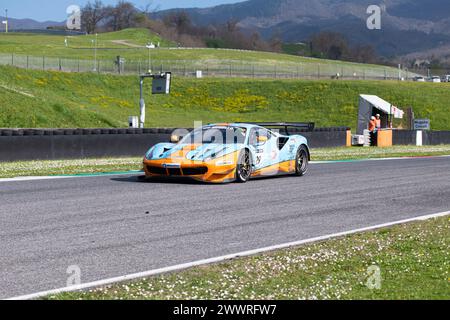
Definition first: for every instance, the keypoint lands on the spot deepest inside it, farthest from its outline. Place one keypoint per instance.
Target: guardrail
(53, 144)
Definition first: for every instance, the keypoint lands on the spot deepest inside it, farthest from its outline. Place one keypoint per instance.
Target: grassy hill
(54, 99)
(130, 44)
(81, 46)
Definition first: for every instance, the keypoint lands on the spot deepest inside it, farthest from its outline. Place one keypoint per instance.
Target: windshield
(215, 134)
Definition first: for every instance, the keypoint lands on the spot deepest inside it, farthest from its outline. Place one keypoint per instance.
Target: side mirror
(175, 139)
(262, 139)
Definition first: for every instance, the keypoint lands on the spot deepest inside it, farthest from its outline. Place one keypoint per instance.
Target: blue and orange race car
(221, 153)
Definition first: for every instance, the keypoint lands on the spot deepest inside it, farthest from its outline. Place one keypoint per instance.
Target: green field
(82, 47)
(79, 46)
(412, 260)
(37, 99)
(129, 44)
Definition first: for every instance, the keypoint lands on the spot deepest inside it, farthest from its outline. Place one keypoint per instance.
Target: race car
(228, 152)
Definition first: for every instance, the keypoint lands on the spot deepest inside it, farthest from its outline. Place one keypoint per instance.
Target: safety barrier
(52, 144)
(409, 137)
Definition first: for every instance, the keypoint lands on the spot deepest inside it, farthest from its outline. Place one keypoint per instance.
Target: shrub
(243, 102)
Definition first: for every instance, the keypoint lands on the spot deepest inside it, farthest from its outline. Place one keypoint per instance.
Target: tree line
(175, 26)
(335, 46)
(97, 17)
(178, 27)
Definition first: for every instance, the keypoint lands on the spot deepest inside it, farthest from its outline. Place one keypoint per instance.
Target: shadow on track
(163, 180)
(189, 181)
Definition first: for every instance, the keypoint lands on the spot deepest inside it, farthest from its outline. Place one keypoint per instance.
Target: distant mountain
(30, 24)
(407, 25)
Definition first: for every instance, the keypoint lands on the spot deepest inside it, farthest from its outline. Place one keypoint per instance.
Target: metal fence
(212, 68)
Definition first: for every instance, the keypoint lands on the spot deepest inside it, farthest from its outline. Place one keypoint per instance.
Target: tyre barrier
(53, 144)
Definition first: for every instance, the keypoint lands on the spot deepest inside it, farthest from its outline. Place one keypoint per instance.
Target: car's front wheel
(301, 161)
(243, 167)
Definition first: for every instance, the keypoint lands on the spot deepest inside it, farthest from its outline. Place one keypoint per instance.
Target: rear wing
(307, 126)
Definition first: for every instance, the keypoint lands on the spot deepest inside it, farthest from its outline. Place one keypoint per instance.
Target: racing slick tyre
(244, 167)
(301, 161)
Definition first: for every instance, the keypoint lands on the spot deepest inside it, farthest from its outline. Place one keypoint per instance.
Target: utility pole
(94, 42)
(160, 85)
(149, 47)
(5, 22)
(142, 102)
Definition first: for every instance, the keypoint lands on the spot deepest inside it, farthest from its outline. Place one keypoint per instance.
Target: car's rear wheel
(301, 161)
(243, 167)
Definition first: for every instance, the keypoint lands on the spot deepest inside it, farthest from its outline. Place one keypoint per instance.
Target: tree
(363, 54)
(177, 26)
(333, 45)
(255, 40)
(276, 42)
(179, 20)
(335, 52)
(232, 26)
(123, 15)
(330, 45)
(149, 8)
(91, 15)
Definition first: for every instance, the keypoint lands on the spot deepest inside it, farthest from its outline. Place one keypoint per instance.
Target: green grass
(39, 99)
(78, 46)
(81, 47)
(68, 167)
(413, 259)
(92, 166)
(360, 153)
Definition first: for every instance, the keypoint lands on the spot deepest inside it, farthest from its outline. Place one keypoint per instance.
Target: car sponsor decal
(171, 165)
(274, 154)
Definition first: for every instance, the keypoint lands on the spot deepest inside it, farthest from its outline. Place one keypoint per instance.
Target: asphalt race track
(116, 225)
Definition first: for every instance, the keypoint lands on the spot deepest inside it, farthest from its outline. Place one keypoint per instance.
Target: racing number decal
(259, 156)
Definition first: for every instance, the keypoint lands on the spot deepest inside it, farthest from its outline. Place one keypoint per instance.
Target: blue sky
(42, 10)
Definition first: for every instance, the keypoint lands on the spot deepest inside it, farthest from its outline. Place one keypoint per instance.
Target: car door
(265, 152)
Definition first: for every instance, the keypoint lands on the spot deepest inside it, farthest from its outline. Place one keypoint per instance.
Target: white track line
(136, 172)
(218, 259)
(18, 179)
(379, 159)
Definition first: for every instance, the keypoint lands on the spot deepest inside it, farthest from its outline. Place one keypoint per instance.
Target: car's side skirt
(285, 167)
